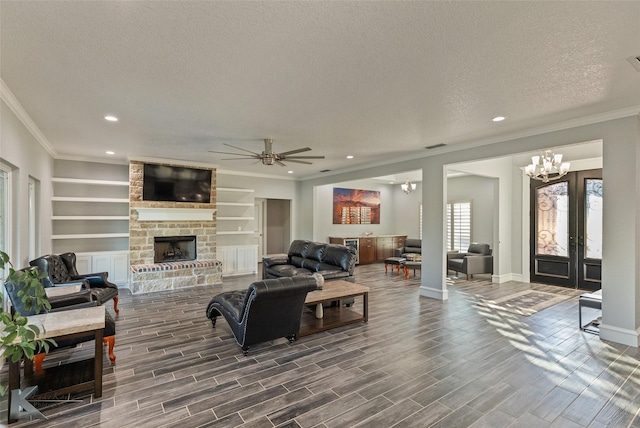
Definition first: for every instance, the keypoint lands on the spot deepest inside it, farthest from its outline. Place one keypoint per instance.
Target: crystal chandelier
(408, 186)
(547, 167)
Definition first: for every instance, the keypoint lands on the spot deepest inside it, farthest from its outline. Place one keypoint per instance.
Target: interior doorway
(566, 230)
(277, 220)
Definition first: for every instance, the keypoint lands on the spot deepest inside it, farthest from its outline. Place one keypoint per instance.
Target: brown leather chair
(477, 259)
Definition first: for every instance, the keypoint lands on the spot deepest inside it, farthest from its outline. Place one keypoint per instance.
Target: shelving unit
(236, 242)
(91, 217)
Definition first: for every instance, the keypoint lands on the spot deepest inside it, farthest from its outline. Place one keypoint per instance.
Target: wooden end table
(335, 316)
(58, 326)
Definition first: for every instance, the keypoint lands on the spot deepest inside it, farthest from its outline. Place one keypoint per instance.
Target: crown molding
(14, 105)
(464, 145)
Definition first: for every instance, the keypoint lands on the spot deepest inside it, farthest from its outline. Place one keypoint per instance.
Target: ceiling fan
(268, 157)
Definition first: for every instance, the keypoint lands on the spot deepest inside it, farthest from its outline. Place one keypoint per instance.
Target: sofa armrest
(274, 260)
(455, 255)
(398, 252)
(478, 264)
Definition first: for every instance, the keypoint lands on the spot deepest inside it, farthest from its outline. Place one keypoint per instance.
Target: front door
(566, 230)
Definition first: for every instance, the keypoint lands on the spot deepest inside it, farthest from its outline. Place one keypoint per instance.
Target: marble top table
(67, 325)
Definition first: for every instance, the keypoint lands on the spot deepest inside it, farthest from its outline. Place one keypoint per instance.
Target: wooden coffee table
(335, 316)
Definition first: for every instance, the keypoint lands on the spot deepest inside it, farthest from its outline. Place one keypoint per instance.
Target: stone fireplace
(174, 248)
(164, 221)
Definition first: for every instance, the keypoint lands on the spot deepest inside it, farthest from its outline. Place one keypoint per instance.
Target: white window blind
(459, 225)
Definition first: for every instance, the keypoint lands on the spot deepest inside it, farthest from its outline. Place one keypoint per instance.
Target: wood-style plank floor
(417, 363)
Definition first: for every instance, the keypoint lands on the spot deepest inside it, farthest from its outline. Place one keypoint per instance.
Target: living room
(334, 108)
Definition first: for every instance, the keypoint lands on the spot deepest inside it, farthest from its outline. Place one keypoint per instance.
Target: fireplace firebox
(174, 248)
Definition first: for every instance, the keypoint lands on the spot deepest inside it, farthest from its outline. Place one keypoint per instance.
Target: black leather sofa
(267, 310)
(304, 258)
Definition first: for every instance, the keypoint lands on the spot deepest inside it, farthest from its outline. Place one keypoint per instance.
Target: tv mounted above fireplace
(176, 184)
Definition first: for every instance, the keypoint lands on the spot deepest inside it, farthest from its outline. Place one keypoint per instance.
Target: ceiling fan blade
(290, 152)
(240, 148)
(229, 153)
(298, 161)
(247, 158)
(301, 157)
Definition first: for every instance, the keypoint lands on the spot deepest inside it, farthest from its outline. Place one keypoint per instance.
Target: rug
(526, 302)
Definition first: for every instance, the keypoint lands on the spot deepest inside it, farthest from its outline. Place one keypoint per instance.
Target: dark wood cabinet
(372, 249)
(367, 250)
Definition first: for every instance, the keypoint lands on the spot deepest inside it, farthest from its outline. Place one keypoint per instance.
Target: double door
(566, 230)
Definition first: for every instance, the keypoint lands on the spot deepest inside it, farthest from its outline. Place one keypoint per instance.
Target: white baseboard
(620, 335)
(506, 277)
(434, 293)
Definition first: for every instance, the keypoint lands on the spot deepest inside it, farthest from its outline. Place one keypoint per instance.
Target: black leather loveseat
(332, 261)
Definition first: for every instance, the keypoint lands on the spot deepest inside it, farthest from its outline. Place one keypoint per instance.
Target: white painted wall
(19, 148)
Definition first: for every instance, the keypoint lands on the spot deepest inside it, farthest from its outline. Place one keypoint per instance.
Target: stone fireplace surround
(170, 219)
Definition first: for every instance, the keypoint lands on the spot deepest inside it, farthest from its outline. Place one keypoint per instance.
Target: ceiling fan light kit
(268, 157)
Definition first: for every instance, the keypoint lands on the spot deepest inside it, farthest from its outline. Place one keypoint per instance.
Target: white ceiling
(377, 80)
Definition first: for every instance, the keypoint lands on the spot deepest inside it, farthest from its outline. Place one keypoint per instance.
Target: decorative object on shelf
(547, 167)
(408, 186)
(268, 157)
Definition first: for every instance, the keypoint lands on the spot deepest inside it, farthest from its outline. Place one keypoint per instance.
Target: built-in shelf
(233, 189)
(91, 236)
(235, 232)
(234, 204)
(175, 214)
(88, 181)
(236, 218)
(90, 217)
(84, 199)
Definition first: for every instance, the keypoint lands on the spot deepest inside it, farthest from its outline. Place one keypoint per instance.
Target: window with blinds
(459, 225)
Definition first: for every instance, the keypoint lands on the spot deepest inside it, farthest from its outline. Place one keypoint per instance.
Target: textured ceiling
(376, 80)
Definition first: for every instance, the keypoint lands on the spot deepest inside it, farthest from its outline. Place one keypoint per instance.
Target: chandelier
(408, 186)
(547, 167)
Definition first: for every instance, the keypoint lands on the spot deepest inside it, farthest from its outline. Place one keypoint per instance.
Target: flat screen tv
(176, 184)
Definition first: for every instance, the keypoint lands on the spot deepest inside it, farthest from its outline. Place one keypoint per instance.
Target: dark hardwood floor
(417, 363)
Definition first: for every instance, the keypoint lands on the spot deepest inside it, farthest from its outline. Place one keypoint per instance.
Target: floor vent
(435, 146)
(635, 61)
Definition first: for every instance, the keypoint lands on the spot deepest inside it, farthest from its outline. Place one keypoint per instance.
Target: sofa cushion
(298, 248)
(480, 249)
(288, 271)
(315, 251)
(335, 255)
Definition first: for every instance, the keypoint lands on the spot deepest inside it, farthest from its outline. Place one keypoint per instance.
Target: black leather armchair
(63, 302)
(267, 310)
(477, 259)
(61, 270)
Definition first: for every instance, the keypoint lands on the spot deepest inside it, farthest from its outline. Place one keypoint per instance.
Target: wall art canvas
(353, 206)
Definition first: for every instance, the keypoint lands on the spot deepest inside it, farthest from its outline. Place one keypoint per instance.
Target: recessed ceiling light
(111, 118)
(289, 172)
(392, 182)
(498, 118)
(109, 152)
(350, 157)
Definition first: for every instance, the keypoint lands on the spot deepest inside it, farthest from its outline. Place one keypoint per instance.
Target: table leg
(365, 306)
(97, 367)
